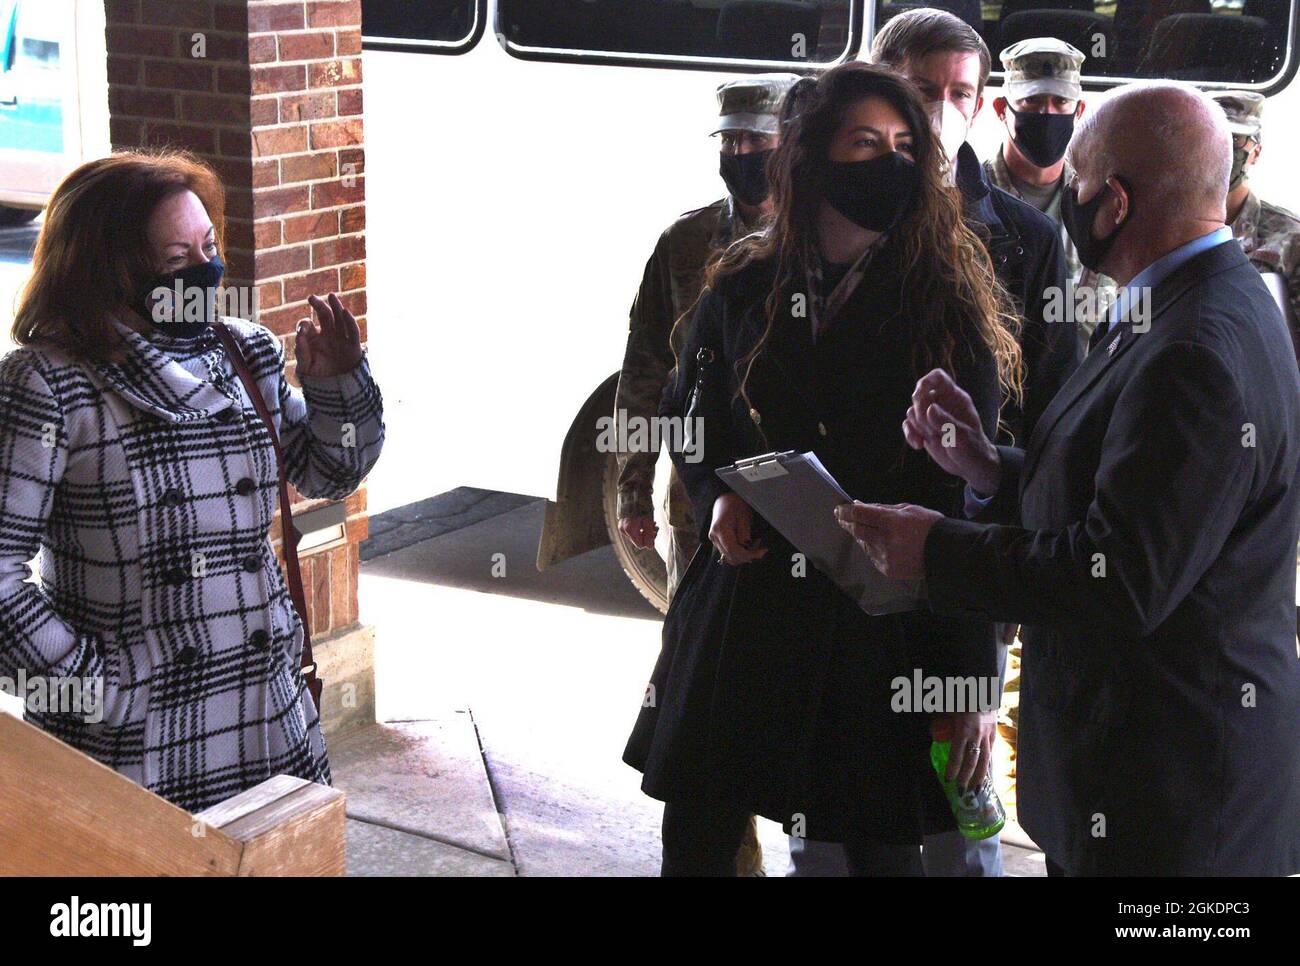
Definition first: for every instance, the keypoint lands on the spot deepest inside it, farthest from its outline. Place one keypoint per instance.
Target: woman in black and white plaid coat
(134, 462)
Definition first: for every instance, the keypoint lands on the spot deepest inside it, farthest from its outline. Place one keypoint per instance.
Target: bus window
(693, 32)
(429, 26)
(1229, 42)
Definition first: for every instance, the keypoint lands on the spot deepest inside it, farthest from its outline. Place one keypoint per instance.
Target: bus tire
(645, 568)
(10, 217)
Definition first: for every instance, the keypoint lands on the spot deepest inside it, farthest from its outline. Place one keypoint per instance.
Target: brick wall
(269, 93)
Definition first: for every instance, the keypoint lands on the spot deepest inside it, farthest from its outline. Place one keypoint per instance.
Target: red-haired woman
(134, 461)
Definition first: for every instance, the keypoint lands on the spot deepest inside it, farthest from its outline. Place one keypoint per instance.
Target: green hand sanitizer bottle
(979, 811)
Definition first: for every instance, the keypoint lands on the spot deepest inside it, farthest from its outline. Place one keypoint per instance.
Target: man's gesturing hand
(944, 422)
(892, 536)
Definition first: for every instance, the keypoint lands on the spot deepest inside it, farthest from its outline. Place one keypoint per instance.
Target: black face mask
(1042, 138)
(182, 304)
(1077, 219)
(746, 176)
(875, 194)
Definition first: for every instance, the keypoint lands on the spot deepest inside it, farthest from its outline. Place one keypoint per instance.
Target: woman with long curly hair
(772, 694)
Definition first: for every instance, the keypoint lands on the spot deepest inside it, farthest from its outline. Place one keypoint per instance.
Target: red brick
(141, 41)
(352, 161)
(345, 13)
(354, 302)
(235, 173)
(270, 294)
(123, 70)
(266, 174)
(306, 107)
(265, 112)
(176, 13)
(337, 251)
(123, 133)
(280, 201)
(266, 234)
(239, 266)
(239, 233)
(215, 109)
(122, 11)
(334, 73)
(272, 141)
(278, 80)
(234, 143)
(350, 101)
(261, 50)
(231, 15)
(216, 46)
(308, 167)
(352, 219)
(298, 287)
(342, 585)
(352, 276)
(282, 261)
(234, 80)
(324, 224)
(283, 320)
(269, 17)
(191, 138)
(239, 204)
(316, 46)
(331, 194)
(138, 102)
(337, 134)
(348, 42)
(178, 75)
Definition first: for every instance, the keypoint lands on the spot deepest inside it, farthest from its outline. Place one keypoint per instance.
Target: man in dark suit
(1148, 532)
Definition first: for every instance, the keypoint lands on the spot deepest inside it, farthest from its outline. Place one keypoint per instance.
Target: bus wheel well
(575, 521)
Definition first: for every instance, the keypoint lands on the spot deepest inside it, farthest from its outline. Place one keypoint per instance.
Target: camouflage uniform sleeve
(646, 363)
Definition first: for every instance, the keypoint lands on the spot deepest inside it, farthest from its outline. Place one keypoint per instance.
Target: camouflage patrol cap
(1245, 110)
(752, 103)
(1042, 65)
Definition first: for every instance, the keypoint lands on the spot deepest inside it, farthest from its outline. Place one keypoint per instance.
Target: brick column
(269, 93)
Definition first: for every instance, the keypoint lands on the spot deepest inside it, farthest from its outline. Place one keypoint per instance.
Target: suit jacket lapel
(1121, 338)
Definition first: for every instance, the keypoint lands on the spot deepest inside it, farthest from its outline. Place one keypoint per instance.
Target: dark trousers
(701, 840)
(1055, 871)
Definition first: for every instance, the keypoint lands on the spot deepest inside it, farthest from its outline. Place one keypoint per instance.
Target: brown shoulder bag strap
(291, 536)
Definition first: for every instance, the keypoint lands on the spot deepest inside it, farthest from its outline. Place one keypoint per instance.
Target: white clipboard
(798, 497)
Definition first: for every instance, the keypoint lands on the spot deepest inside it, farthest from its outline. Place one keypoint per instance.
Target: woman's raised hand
(333, 347)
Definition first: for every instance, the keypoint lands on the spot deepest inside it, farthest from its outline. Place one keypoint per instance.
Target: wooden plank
(63, 813)
(301, 833)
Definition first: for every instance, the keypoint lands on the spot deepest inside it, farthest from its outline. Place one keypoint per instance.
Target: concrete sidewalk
(553, 666)
(418, 800)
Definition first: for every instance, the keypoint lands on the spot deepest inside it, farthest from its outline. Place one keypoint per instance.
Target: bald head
(1169, 140)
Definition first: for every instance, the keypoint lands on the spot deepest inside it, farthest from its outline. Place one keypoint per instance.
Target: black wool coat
(773, 689)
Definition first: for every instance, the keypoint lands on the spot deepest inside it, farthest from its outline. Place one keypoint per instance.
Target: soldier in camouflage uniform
(1044, 98)
(1269, 235)
(748, 130)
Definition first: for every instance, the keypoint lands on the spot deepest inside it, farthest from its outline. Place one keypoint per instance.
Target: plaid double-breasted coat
(148, 492)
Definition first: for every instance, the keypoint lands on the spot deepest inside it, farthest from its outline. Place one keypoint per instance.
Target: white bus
(524, 155)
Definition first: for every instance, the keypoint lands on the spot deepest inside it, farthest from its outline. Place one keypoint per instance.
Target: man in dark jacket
(1148, 532)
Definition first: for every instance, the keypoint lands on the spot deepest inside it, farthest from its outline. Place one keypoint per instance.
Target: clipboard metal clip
(762, 467)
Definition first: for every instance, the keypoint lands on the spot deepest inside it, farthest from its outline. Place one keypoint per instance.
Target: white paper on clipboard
(797, 496)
